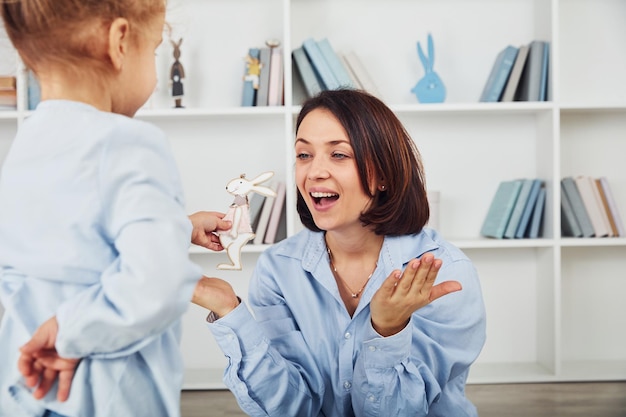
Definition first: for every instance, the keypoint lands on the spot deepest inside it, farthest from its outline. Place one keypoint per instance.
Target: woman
(338, 329)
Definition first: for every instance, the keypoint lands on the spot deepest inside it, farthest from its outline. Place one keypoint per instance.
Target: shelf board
(593, 242)
(596, 370)
(209, 112)
(486, 243)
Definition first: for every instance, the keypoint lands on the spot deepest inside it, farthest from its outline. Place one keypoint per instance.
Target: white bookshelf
(555, 305)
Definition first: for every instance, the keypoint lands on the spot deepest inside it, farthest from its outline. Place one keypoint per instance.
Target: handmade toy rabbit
(238, 213)
(430, 88)
(177, 73)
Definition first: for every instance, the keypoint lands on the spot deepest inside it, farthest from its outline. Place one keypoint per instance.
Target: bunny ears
(242, 186)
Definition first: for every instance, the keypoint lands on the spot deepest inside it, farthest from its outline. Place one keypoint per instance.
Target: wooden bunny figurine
(177, 73)
(238, 213)
(430, 88)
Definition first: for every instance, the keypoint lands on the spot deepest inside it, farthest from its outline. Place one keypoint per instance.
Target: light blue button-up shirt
(93, 231)
(304, 355)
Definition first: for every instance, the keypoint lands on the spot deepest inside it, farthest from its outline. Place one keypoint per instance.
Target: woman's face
(326, 172)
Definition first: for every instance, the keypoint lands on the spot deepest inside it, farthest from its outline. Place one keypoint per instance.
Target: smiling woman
(365, 304)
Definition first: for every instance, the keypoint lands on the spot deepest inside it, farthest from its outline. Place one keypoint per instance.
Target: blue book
(569, 224)
(534, 231)
(500, 209)
(336, 65)
(543, 84)
(320, 66)
(530, 82)
(264, 77)
(518, 210)
(250, 79)
(499, 74)
(528, 209)
(307, 73)
(573, 195)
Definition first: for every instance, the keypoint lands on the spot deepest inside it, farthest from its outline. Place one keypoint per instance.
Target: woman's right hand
(216, 295)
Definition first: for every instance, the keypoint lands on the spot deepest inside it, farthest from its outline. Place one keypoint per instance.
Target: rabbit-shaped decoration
(430, 88)
(238, 213)
(177, 73)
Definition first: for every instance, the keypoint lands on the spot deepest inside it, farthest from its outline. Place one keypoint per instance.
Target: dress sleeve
(407, 372)
(150, 283)
(277, 379)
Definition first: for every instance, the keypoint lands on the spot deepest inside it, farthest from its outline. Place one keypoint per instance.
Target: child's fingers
(48, 377)
(65, 382)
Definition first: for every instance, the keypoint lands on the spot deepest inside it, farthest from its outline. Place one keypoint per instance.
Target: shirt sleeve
(407, 372)
(268, 380)
(149, 286)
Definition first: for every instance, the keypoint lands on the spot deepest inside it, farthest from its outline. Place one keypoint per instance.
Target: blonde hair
(71, 31)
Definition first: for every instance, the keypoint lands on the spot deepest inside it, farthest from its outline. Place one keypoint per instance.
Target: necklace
(334, 268)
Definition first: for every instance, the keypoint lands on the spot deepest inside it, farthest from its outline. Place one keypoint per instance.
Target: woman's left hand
(403, 293)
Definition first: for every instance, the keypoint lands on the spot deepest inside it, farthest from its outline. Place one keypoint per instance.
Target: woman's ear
(119, 38)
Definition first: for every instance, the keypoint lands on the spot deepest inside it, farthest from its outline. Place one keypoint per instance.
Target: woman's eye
(338, 155)
(302, 156)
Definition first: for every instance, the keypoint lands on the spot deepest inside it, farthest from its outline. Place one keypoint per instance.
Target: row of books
(263, 83)
(516, 210)
(320, 67)
(8, 92)
(588, 208)
(519, 74)
(268, 216)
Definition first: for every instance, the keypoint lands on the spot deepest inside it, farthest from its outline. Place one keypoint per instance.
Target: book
(529, 207)
(274, 220)
(573, 195)
(8, 82)
(606, 208)
(518, 209)
(603, 213)
(8, 99)
(281, 233)
(500, 210)
(264, 217)
(617, 218)
(336, 65)
(499, 74)
(264, 78)
(530, 82)
(545, 66)
(251, 78)
(587, 194)
(355, 80)
(275, 94)
(534, 230)
(361, 73)
(34, 91)
(255, 205)
(320, 66)
(569, 224)
(516, 72)
(307, 74)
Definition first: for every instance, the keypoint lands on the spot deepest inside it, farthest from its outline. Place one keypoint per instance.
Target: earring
(382, 187)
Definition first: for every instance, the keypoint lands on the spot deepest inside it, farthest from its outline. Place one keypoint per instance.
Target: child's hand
(205, 224)
(216, 295)
(402, 294)
(41, 365)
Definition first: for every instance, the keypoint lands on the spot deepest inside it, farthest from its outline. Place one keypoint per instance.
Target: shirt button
(372, 348)
(371, 398)
(347, 385)
(347, 335)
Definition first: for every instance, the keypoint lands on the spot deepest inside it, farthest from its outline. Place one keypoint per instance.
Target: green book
(501, 208)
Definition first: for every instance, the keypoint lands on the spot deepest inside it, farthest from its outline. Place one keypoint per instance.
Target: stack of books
(588, 208)
(516, 211)
(263, 79)
(268, 216)
(320, 67)
(519, 74)
(8, 92)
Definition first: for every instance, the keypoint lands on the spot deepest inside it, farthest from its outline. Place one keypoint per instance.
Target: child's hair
(70, 31)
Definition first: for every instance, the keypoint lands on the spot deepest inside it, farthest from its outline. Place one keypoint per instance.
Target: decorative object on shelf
(430, 88)
(239, 214)
(251, 77)
(177, 73)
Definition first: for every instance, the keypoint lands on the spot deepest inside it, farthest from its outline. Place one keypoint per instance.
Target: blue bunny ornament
(430, 88)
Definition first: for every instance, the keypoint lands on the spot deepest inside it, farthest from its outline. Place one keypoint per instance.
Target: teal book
(307, 73)
(336, 65)
(534, 230)
(320, 66)
(500, 209)
(573, 195)
(545, 73)
(569, 224)
(518, 209)
(524, 222)
(499, 74)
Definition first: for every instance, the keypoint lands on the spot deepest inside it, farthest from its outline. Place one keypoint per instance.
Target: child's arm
(41, 365)
(205, 224)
